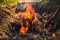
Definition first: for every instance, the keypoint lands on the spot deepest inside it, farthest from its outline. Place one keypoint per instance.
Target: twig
(53, 15)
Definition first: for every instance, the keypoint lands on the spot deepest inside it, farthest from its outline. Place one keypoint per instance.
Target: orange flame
(23, 29)
(27, 14)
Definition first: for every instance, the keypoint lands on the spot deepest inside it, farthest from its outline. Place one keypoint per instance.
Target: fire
(28, 14)
(35, 19)
(23, 29)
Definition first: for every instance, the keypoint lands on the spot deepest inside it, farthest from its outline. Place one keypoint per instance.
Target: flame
(23, 29)
(28, 14)
(35, 19)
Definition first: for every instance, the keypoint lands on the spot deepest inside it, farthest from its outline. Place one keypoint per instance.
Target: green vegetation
(13, 2)
(45, 2)
(8, 2)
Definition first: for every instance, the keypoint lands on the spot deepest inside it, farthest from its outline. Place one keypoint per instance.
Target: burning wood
(28, 14)
(30, 19)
